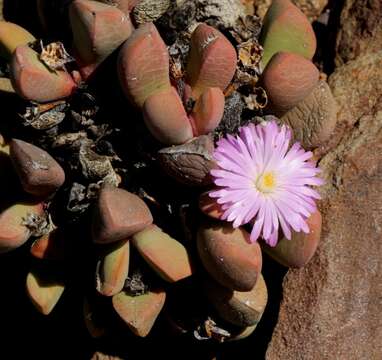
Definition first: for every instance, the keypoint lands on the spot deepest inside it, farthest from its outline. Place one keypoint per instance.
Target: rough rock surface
(360, 29)
(311, 8)
(331, 308)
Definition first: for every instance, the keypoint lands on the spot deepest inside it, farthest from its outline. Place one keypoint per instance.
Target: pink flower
(264, 182)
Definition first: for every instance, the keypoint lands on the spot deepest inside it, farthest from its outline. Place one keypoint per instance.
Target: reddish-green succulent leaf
(298, 251)
(14, 231)
(33, 81)
(139, 312)
(208, 111)
(239, 308)
(98, 29)
(39, 173)
(212, 60)
(166, 118)
(286, 28)
(288, 79)
(118, 214)
(113, 267)
(44, 291)
(228, 255)
(168, 257)
(143, 65)
(12, 36)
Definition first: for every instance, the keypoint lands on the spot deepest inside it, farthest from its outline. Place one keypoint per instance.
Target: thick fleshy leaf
(314, 119)
(212, 60)
(44, 291)
(166, 118)
(33, 81)
(210, 207)
(12, 36)
(39, 173)
(286, 28)
(298, 251)
(190, 163)
(139, 312)
(288, 79)
(228, 255)
(208, 111)
(49, 246)
(238, 308)
(112, 268)
(118, 214)
(143, 65)
(167, 256)
(98, 29)
(13, 219)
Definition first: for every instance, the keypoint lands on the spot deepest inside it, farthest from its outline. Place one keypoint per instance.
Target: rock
(168, 257)
(139, 312)
(39, 173)
(149, 10)
(225, 11)
(331, 308)
(113, 267)
(191, 162)
(360, 30)
(228, 255)
(298, 251)
(118, 215)
(314, 119)
(239, 308)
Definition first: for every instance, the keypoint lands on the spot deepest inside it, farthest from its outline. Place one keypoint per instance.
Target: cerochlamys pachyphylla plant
(264, 181)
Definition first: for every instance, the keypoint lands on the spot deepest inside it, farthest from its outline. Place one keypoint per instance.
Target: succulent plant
(181, 100)
(146, 82)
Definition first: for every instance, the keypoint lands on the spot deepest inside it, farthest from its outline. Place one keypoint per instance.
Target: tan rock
(360, 30)
(331, 308)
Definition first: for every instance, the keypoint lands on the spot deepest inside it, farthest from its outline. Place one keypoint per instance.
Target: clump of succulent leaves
(108, 142)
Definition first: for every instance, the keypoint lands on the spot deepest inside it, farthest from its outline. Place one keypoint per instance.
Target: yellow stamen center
(266, 182)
